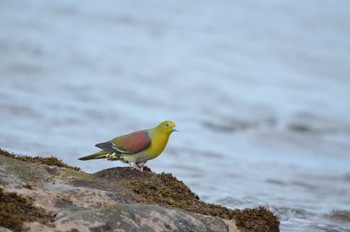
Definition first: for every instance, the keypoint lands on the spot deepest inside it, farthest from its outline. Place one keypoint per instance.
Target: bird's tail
(98, 155)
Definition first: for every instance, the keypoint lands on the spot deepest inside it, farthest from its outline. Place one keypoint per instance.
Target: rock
(340, 215)
(44, 194)
(132, 217)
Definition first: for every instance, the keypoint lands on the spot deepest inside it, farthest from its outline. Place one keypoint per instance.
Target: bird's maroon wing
(128, 144)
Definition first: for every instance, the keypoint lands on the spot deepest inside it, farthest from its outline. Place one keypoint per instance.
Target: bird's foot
(134, 166)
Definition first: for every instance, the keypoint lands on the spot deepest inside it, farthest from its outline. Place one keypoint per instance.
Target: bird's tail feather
(98, 155)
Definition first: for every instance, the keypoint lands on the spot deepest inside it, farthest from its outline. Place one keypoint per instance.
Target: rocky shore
(44, 194)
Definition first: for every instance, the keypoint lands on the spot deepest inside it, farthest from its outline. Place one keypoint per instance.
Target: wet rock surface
(48, 195)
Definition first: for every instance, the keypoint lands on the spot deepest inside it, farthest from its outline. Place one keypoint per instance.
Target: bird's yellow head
(167, 127)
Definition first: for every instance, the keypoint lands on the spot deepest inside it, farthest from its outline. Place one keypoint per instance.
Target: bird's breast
(158, 144)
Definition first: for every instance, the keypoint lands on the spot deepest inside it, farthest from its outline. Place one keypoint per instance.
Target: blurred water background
(260, 91)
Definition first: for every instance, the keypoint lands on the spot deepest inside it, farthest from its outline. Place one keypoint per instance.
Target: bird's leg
(141, 165)
(135, 166)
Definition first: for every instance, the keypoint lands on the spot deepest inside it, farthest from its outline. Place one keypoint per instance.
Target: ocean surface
(260, 91)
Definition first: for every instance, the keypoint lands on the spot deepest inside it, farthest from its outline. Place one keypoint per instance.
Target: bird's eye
(167, 125)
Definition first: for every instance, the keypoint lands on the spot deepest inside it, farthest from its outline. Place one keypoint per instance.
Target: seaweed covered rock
(44, 194)
(16, 209)
(165, 190)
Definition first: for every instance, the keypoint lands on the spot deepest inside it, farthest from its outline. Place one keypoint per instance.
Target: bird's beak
(174, 129)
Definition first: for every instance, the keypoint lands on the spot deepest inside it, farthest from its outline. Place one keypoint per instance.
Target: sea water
(259, 90)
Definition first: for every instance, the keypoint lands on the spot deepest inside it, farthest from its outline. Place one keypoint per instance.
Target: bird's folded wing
(127, 144)
(107, 146)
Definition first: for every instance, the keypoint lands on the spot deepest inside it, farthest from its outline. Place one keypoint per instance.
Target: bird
(136, 148)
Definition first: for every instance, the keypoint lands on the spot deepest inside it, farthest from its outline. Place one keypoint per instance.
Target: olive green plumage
(136, 148)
